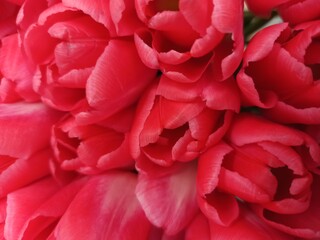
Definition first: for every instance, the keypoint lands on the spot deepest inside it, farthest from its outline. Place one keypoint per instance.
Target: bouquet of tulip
(159, 119)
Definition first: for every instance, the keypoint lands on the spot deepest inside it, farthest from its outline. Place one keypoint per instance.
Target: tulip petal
(45, 217)
(15, 66)
(296, 224)
(109, 86)
(106, 208)
(283, 112)
(169, 199)
(18, 123)
(247, 226)
(241, 132)
(198, 229)
(24, 171)
(22, 203)
(219, 207)
(124, 17)
(97, 9)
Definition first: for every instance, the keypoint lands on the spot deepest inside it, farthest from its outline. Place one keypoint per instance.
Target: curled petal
(18, 121)
(242, 133)
(22, 203)
(101, 210)
(111, 88)
(23, 171)
(169, 200)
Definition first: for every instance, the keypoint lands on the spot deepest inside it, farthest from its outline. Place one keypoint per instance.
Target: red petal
(42, 221)
(24, 171)
(209, 168)
(241, 132)
(222, 95)
(143, 111)
(124, 17)
(147, 54)
(219, 207)
(198, 229)
(299, 12)
(248, 226)
(285, 113)
(18, 123)
(22, 203)
(296, 224)
(98, 10)
(111, 88)
(189, 71)
(15, 66)
(106, 207)
(281, 73)
(199, 20)
(169, 200)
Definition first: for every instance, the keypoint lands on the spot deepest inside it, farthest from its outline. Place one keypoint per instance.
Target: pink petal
(199, 20)
(15, 66)
(106, 207)
(299, 12)
(241, 132)
(144, 108)
(189, 71)
(180, 34)
(169, 200)
(281, 73)
(18, 121)
(36, 33)
(241, 166)
(97, 9)
(111, 88)
(209, 167)
(175, 114)
(22, 203)
(219, 207)
(222, 95)
(296, 224)
(143, 41)
(198, 229)
(76, 78)
(124, 17)
(247, 226)
(283, 112)
(23, 171)
(227, 14)
(42, 221)
(8, 91)
(180, 92)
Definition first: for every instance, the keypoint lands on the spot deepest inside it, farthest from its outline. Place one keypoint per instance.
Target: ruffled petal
(23, 171)
(18, 121)
(247, 226)
(296, 224)
(285, 113)
(97, 9)
(124, 17)
(44, 219)
(106, 207)
(198, 229)
(111, 88)
(241, 131)
(15, 66)
(169, 199)
(22, 203)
